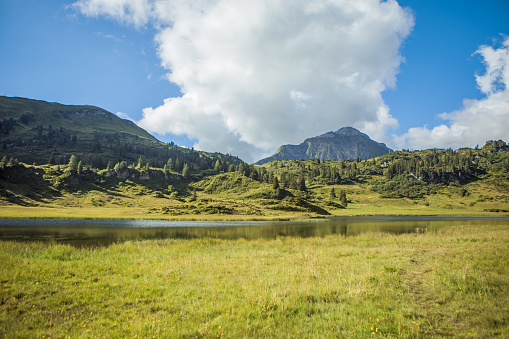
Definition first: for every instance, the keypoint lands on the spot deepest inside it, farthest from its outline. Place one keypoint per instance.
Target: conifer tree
(177, 164)
(3, 162)
(140, 163)
(302, 183)
(278, 193)
(342, 198)
(73, 163)
(275, 183)
(284, 180)
(120, 166)
(169, 164)
(217, 166)
(51, 160)
(186, 171)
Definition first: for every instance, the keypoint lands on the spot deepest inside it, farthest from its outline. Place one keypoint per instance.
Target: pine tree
(120, 166)
(302, 183)
(177, 164)
(12, 162)
(332, 195)
(51, 160)
(169, 164)
(80, 167)
(73, 163)
(3, 162)
(217, 166)
(186, 172)
(342, 198)
(275, 183)
(278, 193)
(140, 163)
(241, 168)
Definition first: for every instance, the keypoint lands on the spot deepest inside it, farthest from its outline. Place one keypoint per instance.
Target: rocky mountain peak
(347, 143)
(348, 131)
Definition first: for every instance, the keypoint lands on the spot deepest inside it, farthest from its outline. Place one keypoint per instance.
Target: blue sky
(88, 53)
(439, 69)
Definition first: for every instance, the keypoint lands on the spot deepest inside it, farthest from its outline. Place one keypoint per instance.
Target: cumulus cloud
(258, 74)
(478, 120)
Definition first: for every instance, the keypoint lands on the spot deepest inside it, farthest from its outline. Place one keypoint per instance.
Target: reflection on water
(105, 232)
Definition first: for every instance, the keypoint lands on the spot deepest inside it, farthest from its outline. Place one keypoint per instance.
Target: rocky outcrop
(347, 143)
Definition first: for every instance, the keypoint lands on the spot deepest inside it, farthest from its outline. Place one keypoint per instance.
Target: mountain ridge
(39, 132)
(347, 143)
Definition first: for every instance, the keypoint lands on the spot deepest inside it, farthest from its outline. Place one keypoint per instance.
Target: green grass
(31, 191)
(452, 282)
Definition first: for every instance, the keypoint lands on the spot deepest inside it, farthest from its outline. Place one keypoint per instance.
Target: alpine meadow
(254, 169)
(447, 282)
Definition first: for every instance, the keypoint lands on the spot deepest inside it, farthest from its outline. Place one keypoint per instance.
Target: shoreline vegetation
(450, 282)
(100, 213)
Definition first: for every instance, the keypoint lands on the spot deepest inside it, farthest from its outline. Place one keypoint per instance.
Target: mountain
(347, 143)
(82, 120)
(31, 130)
(35, 131)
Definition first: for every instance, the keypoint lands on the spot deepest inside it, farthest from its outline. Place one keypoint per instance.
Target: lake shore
(132, 213)
(448, 282)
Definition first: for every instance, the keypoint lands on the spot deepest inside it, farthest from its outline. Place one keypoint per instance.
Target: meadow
(449, 282)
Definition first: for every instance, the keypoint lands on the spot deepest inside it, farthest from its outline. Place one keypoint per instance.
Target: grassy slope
(29, 192)
(449, 283)
(58, 115)
(81, 122)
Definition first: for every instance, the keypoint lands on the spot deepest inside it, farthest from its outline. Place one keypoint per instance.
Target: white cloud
(258, 74)
(478, 120)
(108, 36)
(377, 129)
(124, 116)
(135, 12)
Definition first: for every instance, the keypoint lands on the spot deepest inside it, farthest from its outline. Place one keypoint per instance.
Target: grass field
(41, 192)
(452, 282)
(119, 213)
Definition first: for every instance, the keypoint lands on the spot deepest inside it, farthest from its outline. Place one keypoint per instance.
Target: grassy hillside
(431, 182)
(39, 132)
(84, 120)
(56, 158)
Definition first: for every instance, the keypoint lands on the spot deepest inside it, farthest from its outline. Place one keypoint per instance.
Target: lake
(105, 232)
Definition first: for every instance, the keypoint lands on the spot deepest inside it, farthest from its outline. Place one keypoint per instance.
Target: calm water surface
(105, 232)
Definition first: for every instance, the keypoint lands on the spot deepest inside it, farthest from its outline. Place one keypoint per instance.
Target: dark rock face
(347, 143)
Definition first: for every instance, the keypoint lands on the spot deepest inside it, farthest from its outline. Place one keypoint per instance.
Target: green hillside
(83, 121)
(431, 182)
(82, 161)
(39, 132)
